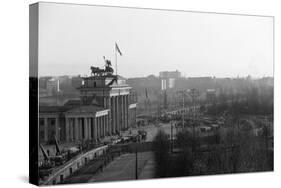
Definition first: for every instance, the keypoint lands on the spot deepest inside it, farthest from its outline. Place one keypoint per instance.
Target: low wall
(71, 166)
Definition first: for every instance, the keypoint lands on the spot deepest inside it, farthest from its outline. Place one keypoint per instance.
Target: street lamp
(183, 92)
(172, 136)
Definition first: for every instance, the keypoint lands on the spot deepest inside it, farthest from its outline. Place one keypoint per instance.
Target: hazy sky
(74, 37)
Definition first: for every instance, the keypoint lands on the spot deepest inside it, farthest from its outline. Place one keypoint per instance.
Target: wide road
(124, 168)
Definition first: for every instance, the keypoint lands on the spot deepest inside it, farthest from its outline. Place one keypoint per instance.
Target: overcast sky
(74, 37)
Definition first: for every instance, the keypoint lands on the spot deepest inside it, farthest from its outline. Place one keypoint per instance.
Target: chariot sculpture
(108, 70)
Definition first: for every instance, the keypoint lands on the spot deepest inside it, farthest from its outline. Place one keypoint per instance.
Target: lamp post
(136, 164)
(172, 136)
(183, 92)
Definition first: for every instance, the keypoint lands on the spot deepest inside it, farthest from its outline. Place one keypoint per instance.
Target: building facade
(168, 79)
(107, 106)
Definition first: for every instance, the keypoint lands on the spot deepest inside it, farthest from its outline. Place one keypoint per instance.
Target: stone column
(89, 128)
(113, 116)
(117, 114)
(107, 126)
(95, 128)
(109, 116)
(105, 104)
(71, 123)
(85, 129)
(98, 127)
(80, 129)
(57, 129)
(121, 113)
(45, 129)
(66, 129)
(76, 130)
(126, 111)
(103, 126)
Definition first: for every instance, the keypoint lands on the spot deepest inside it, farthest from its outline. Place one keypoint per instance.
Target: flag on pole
(117, 49)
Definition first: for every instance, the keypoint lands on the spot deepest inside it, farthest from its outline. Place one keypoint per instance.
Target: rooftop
(53, 109)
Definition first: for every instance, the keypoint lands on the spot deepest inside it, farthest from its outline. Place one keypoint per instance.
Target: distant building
(52, 86)
(140, 84)
(43, 82)
(76, 82)
(211, 94)
(170, 74)
(200, 83)
(168, 79)
(64, 79)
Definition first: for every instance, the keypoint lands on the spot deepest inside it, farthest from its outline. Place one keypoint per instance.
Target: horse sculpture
(96, 71)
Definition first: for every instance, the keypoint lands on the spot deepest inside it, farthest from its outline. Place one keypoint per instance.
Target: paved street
(124, 168)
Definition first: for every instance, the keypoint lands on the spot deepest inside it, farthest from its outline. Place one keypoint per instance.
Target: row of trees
(254, 101)
(229, 151)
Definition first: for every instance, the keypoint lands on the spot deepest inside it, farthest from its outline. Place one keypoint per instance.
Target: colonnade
(86, 128)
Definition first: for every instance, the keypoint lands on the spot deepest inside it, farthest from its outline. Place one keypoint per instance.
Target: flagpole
(115, 59)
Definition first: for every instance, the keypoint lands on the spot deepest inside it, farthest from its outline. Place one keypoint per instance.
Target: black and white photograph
(120, 93)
